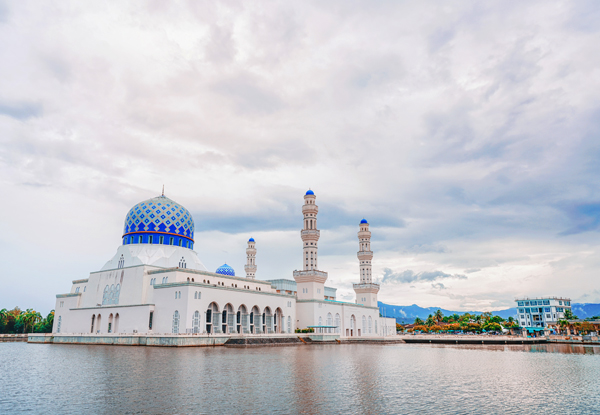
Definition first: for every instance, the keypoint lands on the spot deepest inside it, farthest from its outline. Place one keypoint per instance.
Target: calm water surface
(361, 379)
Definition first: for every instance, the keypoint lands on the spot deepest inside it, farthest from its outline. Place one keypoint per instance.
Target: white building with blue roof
(156, 284)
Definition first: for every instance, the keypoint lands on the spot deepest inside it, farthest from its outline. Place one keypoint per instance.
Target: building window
(150, 320)
(84, 288)
(150, 239)
(180, 242)
(59, 324)
(161, 240)
(77, 290)
(121, 262)
(176, 322)
(171, 240)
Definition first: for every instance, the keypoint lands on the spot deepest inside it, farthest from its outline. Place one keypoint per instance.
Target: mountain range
(407, 314)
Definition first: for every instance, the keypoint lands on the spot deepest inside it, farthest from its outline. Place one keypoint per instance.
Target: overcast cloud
(467, 133)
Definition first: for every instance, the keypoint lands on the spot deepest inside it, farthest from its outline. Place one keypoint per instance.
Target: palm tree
(569, 314)
(430, 321)
(438, 315)
(418, 321)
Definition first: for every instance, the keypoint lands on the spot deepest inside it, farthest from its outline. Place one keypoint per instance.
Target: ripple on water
(354, 379)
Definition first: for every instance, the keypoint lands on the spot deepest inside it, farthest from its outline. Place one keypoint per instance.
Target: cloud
(469, 137)
(410, 276)
(438, 286)
(22, 110)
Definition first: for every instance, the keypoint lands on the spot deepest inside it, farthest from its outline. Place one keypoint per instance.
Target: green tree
(418, 321)
(430, 321)
(438, 316)
(569, 314)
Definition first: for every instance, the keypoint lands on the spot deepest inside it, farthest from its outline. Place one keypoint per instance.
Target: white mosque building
(156, 284)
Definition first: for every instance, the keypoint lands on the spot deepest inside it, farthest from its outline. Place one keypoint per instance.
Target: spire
(250, 266)
(366, 291)
(163, 192)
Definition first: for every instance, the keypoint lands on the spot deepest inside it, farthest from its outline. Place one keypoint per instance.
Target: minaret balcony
(310, 272)
(311, 232)
(365, 254)
(367, 287)
(310, 209)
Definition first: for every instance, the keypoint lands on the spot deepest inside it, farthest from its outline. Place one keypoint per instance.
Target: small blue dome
(310, 192)
(225, 270)
(364, 221)
(251, 240)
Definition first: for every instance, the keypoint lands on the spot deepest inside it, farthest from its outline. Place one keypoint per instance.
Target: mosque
(156, 284)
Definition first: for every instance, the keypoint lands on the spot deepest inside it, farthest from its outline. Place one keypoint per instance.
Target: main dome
(159, 220)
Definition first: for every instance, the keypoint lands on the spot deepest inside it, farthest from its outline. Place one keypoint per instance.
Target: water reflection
(533, 348)
(371, 379)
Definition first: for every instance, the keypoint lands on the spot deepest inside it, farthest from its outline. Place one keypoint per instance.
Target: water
(357, 379)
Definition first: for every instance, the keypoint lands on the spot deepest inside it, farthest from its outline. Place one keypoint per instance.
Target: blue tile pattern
(225, 270)
(161, 218)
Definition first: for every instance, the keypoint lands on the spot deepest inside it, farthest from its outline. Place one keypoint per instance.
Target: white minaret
(250, 266)
(310, 281)
(366, 291)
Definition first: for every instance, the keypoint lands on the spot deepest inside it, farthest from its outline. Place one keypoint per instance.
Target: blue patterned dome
(364, 221)
(159, 221)
(225, 270)
(251, 240)
(310, 192)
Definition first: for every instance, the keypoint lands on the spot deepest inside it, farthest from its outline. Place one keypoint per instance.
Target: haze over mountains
(407, 314)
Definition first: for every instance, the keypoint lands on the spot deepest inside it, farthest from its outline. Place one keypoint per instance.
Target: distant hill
(407, 314)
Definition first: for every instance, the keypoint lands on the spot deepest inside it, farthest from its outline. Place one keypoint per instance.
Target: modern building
(157, 284)
(540, 312)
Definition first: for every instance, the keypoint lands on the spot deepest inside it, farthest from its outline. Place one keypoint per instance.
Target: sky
(467, 133)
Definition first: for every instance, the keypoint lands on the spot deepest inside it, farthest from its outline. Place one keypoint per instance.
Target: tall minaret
(310, 233)
(250, 266)
(366, 291)
(310, 281)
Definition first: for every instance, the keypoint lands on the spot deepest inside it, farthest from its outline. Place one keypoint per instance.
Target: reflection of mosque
(156, 283)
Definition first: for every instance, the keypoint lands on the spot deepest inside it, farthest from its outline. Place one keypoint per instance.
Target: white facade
(156, 284)
(539, 312)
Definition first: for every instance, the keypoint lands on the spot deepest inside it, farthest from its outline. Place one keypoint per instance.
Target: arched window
(337, 323)
(176, 322)
(105, 296)
(93, 320)
(320, 321)
(182, 263)
(370, 325)
(59, 324)
(329, 320)
(364, 325)
(289, 324)
(195, 295)
(117, 294)
(375, 326)
(121, 262)
(196, 322)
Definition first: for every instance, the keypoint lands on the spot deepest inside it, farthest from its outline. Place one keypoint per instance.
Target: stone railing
(310, 272)
(366, 285)
(311, 232)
